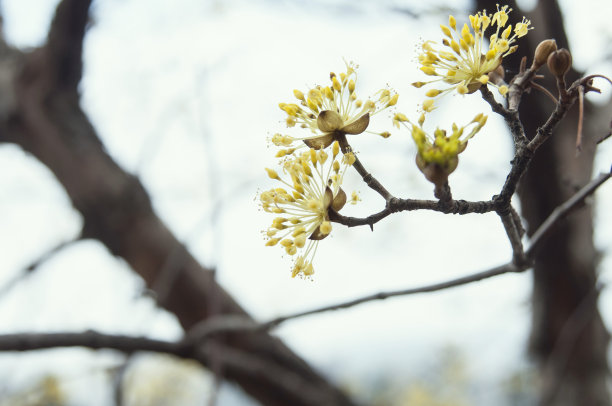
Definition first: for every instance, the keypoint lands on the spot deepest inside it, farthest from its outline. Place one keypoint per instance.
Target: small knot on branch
(393, 205)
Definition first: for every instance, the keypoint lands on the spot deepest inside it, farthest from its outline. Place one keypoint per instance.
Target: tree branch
(49, 124)
(91, 339)
(514, 235)
(65, 42)
(250, 364)
(224, 324)
(464, 280)
(190, 346)
(563, 210)
(7, 287)
(367, 177)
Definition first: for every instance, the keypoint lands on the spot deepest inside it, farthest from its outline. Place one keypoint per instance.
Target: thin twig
(118, 381)
(367, 177)
(605, 137)
(495, 106)
(248, 363)
(398, 205)
(240, 323)
(464, 280)
(580, 119)
(34, 265)
(91, 339)
(517, 221)
(26, 342)
(544, 90)
(563, 210)
(514, 235)
(518, 85)
(510, 116)
(540, 233)
(443, 193)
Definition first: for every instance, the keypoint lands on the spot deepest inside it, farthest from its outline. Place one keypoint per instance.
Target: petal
(339, 201)
(358, 126)
(329, 121)
(317, 234)
(320, 142)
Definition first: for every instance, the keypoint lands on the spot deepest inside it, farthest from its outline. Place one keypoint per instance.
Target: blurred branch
(48, 123)
(605, 137)
(118, 378)
(464, 280)
(34, 265)
(563, 210)
(212, 326)
(65, 42)
(90, 339)
(250, 364)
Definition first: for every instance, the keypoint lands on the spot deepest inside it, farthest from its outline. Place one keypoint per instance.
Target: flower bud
(543, 50)
(436, 173)
(559, 62)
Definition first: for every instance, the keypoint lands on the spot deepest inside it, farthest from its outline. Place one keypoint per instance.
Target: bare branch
(34, 265)
(580, 119)
(117, 210)
(90, 339)
(65, 42)
(495, 106)
(464, 280)
(514, 235)
(226, 324)
(237, 323)
(250, 364)
(565, 103)
(605, 137)
(545, 91)
(370, 180)
(510, 116)
(397, 205)
(563, 210)
(519, 84)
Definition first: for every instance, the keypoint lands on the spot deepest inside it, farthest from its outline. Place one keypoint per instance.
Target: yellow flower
(303, 204)
(437, 155)
(465, 62)
(330, 110)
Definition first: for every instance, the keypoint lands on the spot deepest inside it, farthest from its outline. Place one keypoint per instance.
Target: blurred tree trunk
(40, 112)
(568, 338)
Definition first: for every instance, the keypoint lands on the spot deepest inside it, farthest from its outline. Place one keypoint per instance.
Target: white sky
(184, 94)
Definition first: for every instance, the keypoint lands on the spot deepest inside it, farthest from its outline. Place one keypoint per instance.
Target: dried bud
(543, 50)
(559, 62)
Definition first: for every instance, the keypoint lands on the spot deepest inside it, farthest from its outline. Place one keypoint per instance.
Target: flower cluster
(304, 201)
(313, 185)
(465, 63)
(437, 155)
(328, 111)
(311, 175)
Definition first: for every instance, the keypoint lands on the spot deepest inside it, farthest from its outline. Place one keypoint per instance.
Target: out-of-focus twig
(563, 210)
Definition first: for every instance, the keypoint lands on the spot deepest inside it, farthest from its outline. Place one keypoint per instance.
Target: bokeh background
(184, 94)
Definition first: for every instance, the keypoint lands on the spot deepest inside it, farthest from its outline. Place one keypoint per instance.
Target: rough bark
(39, 111)
(568, 338)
